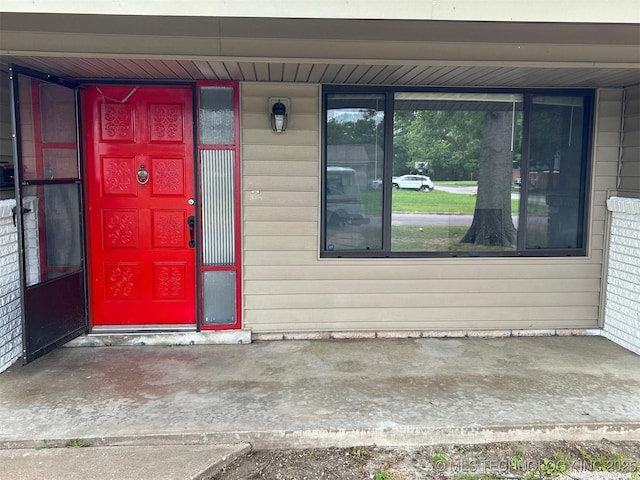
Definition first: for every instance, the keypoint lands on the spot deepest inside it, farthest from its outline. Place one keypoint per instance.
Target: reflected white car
(413, 182)
(375, 184)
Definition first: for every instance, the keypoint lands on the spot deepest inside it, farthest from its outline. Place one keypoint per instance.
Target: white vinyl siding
(622, 304)
(288, 288)
(10, 308)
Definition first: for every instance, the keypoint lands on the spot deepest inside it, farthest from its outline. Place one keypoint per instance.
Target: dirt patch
(514, 460)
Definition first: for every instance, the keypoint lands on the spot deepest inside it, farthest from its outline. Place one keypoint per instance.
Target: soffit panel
(367, 52)
(320, 72)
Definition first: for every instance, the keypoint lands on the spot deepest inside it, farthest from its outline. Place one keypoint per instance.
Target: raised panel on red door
(142, 269)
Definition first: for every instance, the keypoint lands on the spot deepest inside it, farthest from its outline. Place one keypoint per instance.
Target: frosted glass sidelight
(217, 123)
(219, 298)
(218, 221)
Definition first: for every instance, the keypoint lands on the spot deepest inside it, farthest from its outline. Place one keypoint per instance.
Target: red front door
(139, 151)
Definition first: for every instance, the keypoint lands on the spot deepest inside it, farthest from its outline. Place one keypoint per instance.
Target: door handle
(191, 221)
(14, 211)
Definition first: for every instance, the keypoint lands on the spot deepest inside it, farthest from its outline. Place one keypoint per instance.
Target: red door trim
(237, 266)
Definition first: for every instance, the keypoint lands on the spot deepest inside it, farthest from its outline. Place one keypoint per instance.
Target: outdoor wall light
(279, 113)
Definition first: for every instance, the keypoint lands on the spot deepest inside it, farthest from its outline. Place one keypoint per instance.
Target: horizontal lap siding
(412, 318)
(630, 168)
(433, 286)
(288, 288)
(415, 299)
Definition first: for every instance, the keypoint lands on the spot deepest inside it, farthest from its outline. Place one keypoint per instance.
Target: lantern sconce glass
(279, 113)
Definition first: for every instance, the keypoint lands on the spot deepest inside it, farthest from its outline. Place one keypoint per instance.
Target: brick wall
(622, 306)
(10, 319)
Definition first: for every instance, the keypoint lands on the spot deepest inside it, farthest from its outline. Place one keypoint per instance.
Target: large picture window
(445, 173)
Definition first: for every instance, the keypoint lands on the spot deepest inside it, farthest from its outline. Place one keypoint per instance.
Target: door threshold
(135, 329)
(111, 338)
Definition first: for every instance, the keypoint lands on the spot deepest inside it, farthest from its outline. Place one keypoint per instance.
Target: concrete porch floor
(326, 393)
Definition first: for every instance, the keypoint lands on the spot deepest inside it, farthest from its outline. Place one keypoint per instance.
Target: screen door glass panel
(52, 235)
(48, 131)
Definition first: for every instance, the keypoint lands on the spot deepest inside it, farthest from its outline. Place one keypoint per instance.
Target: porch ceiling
(365, 52)
(365, 73)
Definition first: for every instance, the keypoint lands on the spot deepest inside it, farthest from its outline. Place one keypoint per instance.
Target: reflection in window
(354, 161)
(554, 177)
(53, 241)
(57, 114)
(48, 130)
(469, 145)
(466, 174)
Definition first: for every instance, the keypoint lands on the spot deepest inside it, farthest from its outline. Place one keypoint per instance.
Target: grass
(606, 461)
(431, 239)
(405, 238)
(458, 183)
(424, 202)
(45, 444)
(381, 475)
(432, 202)
(559, 465)
(469, 476)
(434, 239)
(439, 457)
(76, 443)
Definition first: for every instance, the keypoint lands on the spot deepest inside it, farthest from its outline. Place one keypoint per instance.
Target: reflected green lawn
(435, 201)
(435, 239)
(405, 238)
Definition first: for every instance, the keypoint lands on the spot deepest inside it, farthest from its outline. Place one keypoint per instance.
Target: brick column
(10, 317)
(622, 306)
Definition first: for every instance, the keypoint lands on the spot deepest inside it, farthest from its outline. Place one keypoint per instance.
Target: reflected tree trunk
(492, 224)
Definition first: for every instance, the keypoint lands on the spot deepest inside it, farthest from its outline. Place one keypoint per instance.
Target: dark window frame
(589, 96)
